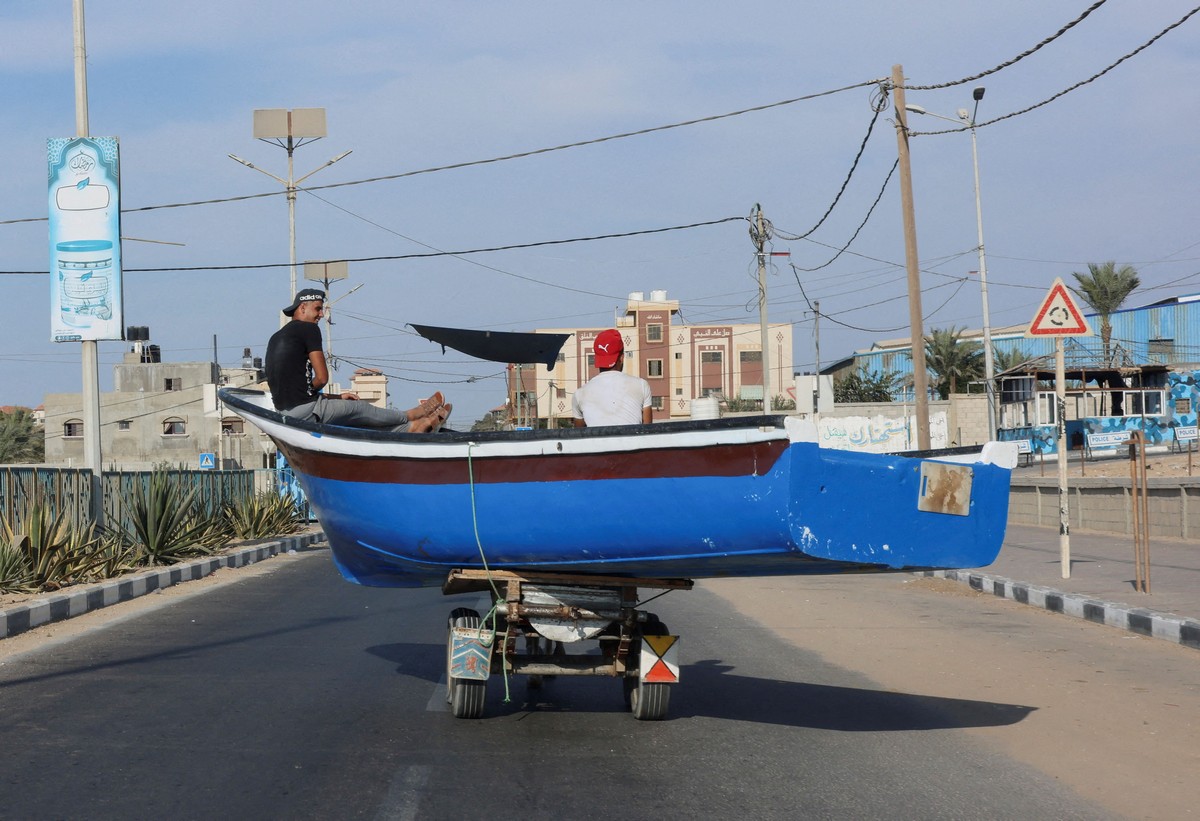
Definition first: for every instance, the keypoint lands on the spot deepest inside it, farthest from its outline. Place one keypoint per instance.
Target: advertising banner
(85, 239)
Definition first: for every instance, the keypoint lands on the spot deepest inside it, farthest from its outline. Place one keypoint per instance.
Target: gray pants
(351, 413)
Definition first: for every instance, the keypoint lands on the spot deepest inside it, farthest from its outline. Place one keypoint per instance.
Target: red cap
(608, 348)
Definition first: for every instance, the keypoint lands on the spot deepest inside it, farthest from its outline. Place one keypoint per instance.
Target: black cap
(307, 295)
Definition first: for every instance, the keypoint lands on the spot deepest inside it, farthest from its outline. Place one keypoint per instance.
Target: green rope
(491, 615)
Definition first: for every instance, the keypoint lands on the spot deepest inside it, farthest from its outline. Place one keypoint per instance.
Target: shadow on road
(713, 691)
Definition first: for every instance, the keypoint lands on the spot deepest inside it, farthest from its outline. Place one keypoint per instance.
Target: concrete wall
(1106, 505)
(880, 426)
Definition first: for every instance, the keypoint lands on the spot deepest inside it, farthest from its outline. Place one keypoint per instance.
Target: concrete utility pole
(760, 241)
(817, 370)
(912, 264)
(90, 354)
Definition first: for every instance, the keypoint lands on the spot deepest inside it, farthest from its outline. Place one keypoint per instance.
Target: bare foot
(422, 425)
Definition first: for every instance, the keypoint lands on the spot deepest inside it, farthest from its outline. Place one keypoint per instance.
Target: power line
(433, 254)
(1066, 90)
(504, 158)
(1019, 57)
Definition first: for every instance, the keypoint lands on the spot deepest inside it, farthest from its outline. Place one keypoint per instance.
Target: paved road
(295, 695)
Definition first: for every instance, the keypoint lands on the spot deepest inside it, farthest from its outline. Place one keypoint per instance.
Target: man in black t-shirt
(296, 372)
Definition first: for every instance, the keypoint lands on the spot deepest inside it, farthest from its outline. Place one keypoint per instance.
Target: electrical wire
(504, 158)
(1066, 90)
(1016, 59)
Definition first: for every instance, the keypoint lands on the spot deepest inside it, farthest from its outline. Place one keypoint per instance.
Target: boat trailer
(537, 613)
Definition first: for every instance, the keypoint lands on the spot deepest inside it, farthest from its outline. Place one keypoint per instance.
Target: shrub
(16, 576)
(166, 523)
(263, 515)
(56, 552)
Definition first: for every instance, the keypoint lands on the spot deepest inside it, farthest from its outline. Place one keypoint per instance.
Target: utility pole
(912, 264)
(759, 235)
(817, 371)
(90, 354)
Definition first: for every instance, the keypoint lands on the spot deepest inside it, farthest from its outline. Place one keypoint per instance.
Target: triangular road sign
(1059, 315)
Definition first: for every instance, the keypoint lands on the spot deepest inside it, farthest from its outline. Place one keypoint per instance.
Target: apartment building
(681, 362)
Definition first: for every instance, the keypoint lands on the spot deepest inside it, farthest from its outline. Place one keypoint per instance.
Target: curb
(89, 597)
(1150, 623)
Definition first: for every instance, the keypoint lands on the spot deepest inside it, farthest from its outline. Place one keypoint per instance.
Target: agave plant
(263, 515)
(56, 552)
(16, 576)
(166, 524)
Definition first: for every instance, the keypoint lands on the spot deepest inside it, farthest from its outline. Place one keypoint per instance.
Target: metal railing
(70, 490)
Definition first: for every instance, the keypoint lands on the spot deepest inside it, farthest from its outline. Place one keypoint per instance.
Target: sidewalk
(79, 599)
(1101, 587)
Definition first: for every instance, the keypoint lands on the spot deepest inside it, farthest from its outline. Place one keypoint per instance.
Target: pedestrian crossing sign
(208, 461)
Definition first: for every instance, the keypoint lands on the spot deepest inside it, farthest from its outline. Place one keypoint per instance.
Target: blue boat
(740, 496)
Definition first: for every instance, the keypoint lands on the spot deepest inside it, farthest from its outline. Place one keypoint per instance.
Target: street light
(289, 129)
(989, 367)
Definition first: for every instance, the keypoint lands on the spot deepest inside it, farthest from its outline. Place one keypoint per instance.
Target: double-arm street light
(289, 129)
(968, 118)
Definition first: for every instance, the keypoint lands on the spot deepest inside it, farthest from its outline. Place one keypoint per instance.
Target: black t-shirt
(289, 371)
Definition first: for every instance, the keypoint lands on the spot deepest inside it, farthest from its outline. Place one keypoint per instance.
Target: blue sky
(1105, 172)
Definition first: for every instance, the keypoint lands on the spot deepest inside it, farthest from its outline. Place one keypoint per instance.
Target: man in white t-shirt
(612, 397)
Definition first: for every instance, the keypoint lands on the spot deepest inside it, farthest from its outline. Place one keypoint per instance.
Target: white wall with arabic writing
(881, 433)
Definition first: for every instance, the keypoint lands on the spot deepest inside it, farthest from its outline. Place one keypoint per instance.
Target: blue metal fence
(70, 489)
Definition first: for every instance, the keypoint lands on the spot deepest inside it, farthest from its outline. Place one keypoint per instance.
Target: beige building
(681, 363)
(169, 412)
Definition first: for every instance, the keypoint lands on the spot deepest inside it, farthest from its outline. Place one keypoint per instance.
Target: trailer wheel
(648, 702)
(466, 697)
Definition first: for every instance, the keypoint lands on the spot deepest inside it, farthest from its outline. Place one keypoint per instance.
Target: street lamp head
(915, 109)
(964, 115)
(977, 94)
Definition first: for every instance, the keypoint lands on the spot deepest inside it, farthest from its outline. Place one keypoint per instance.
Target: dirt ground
(1117, 466)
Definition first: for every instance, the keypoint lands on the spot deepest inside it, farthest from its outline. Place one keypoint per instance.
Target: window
(1047, 404)
(711, 357)
(707, 392)
(654, 333)
(173, 383)
(654, 368)
(73, 429)
(750, 356)
(562, 357)
(678, 355)
(656, 402)
(591, 360)
(124, 424)
(232, 426)
(1161, 350)
(1149, 403)
(174, 427)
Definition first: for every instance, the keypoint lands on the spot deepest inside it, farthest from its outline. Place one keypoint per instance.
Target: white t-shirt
(611, 398)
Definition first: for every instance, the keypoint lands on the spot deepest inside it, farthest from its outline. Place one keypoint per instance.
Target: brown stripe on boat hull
(754, 458)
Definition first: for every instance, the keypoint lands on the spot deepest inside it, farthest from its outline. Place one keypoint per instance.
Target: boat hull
(690, 500)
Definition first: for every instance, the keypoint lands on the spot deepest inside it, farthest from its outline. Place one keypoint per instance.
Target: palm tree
(867, 386)
(21, 440)
(950, 359)
(1104, 288)
(1008, 359)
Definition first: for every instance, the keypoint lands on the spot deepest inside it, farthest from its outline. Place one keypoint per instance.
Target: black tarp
(497, 346)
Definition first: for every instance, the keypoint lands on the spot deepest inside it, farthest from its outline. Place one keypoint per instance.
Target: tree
(950, 359)
(864, 386)
(21, 440)
(1006, 360)
(1104, 287)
